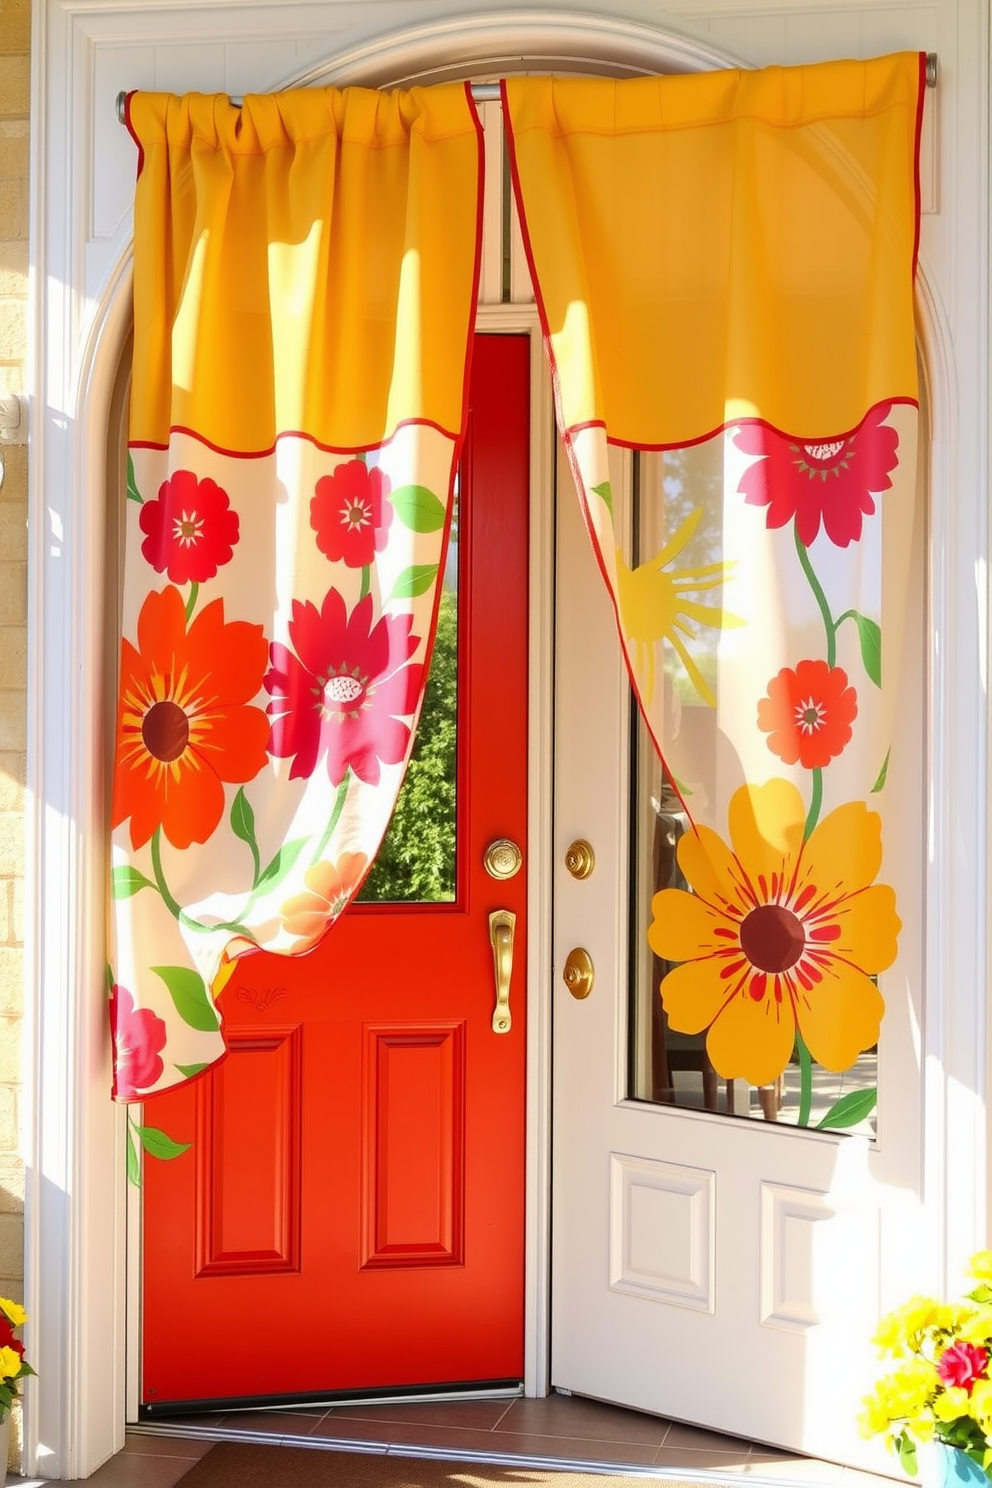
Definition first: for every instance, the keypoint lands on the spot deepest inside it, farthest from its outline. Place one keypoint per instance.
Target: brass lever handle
(501, 924)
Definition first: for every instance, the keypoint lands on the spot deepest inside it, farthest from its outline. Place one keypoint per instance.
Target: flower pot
(942, 1466)
(4, 1446)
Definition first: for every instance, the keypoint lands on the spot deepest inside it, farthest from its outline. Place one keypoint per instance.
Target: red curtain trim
(330, 449)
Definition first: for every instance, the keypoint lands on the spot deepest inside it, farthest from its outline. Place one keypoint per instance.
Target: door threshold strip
(687, 1477)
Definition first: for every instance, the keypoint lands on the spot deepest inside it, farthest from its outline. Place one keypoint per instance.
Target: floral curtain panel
(724, 267)
(306, 270)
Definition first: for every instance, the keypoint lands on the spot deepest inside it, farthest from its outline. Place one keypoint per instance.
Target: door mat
(244, 1465)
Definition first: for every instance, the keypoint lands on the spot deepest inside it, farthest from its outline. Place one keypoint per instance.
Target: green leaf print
(418, 508)
(190, 996)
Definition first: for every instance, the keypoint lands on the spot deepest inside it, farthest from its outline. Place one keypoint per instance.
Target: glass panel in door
(684, 534)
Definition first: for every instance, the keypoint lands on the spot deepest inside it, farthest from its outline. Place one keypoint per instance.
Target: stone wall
(15, 32)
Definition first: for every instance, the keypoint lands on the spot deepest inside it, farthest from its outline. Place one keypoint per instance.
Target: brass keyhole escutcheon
(578, 973)
(502, 858)
(580, 859)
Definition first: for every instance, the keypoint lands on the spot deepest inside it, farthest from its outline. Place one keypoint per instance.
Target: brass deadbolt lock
(580, 859)
(578, 974)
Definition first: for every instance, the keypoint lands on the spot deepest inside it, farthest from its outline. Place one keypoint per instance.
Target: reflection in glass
(417, 859)
(668, 1067)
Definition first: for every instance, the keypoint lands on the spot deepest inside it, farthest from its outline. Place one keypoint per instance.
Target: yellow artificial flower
(874, 1418)
(978, 1327)
(778, 934)
(903, 1328)
(654, 606)
(10, 1362)
(980, 1266)
(954, 1402)
(980, 1405)
(14, 1311)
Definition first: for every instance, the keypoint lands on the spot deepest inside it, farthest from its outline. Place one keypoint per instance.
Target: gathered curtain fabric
(724, 266)
(305, 281)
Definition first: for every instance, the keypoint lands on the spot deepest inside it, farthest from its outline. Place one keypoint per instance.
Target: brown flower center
(772, 938)
(356, 516)
(165, 731)
(187, 529)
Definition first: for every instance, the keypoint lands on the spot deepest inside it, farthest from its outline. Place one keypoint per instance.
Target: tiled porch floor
(558, 1431)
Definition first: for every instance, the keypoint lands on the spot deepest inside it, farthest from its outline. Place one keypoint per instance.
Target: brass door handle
(501, 925)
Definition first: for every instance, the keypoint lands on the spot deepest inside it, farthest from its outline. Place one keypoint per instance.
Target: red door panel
(350, 1215)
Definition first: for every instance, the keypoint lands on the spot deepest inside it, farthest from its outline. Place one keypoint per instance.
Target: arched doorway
(77, 1221)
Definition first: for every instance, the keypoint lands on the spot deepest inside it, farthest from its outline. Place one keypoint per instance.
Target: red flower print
(346, 689)
(828, 480)
(962, 1364)
(350, 515)
(190, 529)
(138, 1035)
(184, 724)
(808, 713)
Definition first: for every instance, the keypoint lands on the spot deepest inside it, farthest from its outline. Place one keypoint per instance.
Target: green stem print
(805, 1080)
(172, 904)
(335, 817)
(821, 599)
(870, 641)
(815, 802)
(242, 820)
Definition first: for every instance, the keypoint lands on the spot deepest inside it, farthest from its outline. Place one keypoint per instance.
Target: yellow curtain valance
(726, 245)
(291, 248)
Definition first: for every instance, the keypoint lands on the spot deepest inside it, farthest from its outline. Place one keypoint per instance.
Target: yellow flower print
(654, 606)
(779, 934)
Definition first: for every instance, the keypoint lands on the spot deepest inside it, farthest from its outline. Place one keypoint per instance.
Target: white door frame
(80, 314)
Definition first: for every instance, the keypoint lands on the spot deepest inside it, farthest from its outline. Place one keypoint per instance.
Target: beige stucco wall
(15, 30)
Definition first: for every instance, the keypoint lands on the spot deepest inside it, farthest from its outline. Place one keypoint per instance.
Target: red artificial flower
(7, 1339)
(808, 713)
(191, 530)
(184, 724)
(346, 689)
(828, 480)
(350, 515)
(962, 1364)
(138, 1035)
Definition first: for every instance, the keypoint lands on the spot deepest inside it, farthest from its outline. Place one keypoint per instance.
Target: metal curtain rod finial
(483, 92)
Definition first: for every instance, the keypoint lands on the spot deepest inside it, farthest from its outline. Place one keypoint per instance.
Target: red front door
(350, 1213)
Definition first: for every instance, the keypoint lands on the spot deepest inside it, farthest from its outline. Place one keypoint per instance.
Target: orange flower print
(808, 714)
(330, 887)
(184, 724)
(778, 935)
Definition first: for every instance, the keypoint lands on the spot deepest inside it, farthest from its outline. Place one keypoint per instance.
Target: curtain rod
(486, 92)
